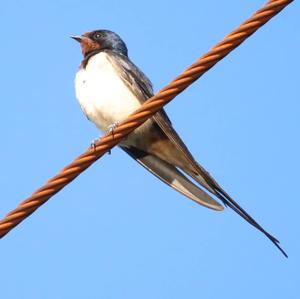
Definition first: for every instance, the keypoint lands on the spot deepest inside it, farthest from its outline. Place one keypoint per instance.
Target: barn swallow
(109, 87)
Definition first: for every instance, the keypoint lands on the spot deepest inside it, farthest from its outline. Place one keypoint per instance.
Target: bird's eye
(97, 35)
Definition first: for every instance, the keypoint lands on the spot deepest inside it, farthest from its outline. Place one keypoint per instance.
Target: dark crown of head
(109, 40)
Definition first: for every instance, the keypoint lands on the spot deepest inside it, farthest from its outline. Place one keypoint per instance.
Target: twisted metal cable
(148, 109)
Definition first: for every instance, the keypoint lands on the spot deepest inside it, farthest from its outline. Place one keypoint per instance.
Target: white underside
(103, 96)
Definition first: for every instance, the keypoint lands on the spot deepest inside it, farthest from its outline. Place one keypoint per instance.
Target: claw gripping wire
(148, 109)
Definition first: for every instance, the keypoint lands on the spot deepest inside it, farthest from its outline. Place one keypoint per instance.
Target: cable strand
(148, 109)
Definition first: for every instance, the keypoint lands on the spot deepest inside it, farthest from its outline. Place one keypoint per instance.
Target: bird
(109, 87)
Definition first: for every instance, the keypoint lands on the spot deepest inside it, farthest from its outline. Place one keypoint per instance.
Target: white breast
(103, 96)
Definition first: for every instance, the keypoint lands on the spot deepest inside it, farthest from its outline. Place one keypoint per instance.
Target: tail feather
(228, 201)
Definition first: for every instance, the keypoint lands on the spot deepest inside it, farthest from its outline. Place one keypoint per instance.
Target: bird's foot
(110, 128)
(94, 142)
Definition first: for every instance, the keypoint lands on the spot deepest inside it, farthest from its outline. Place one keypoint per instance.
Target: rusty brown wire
(150, 107)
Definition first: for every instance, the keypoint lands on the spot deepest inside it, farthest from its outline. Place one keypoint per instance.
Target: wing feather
(141, 86)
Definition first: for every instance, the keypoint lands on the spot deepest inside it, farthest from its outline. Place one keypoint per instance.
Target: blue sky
(116, 231)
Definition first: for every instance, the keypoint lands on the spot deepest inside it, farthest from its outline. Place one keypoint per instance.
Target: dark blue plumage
(160, 149)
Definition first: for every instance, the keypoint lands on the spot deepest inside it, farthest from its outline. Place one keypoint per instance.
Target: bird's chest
(103, 96)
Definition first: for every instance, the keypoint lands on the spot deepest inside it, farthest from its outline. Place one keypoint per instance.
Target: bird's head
(98, 40)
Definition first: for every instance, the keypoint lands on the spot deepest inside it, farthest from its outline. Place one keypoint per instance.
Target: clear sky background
(117, 231)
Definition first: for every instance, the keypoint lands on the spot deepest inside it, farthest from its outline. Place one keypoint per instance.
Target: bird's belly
(103, 96)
